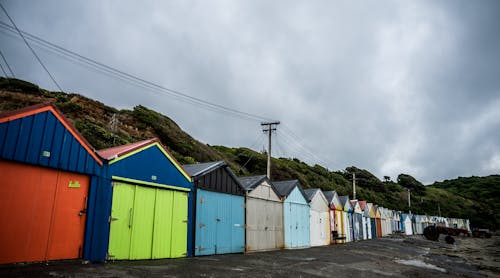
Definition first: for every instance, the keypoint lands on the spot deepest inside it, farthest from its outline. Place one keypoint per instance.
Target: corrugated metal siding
(149, 165)
(264, 224)
(357, 226)
(147, 223)
(319, 221)
(220, 223)
(42, 213)
(296, 220)
(28, 139)
(373, 227)
(219, 180)
(40, 138)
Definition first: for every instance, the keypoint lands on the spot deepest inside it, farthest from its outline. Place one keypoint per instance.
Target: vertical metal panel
(39, 213)
(220, 223)
(120, 227)
(162, 231)
(206, 226)
(315, 228)
(68, 217)
(357, 226)
(263, 224)
(147, 222)
(279, 226)
(319, 221)
(179, 225)
(264, 219)
(296, 215)
(25, 211)
(347, 226)
(373, 227)
(339, 222)
(237, 224)
(379, 227)
(141, 242)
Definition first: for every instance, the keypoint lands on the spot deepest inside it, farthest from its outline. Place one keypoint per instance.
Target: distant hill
(486, 190)
(95, 121)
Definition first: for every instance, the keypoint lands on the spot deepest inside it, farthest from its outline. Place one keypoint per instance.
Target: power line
(10, 70)
(303, 146)
(295, 140)
(3, 70)
(136, 80)
(259, 139)
(32, 51)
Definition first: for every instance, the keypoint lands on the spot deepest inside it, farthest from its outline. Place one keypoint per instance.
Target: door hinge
(202, 225)
(202, 200)
(184, 221)
(184, 254)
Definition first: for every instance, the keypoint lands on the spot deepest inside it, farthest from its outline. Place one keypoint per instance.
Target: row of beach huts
(61, 199)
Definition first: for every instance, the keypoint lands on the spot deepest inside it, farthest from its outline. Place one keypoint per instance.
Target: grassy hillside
(95, 121)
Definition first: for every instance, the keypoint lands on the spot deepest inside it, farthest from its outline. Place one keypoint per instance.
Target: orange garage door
(42, 213)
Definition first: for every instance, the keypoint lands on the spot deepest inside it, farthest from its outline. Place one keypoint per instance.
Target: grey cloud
(388, 86)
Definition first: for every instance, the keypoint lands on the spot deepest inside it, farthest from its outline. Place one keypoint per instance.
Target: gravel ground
(394, 256)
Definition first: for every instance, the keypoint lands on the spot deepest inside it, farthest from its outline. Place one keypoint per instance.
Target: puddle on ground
(419, 263)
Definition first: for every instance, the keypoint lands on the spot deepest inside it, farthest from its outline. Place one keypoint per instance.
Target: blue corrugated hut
(295, 213)
(220, 209)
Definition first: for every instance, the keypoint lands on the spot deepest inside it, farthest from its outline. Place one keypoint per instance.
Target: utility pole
(269, 127)
(439, 209)
(409, 200)
(354, 185)
(113, 124)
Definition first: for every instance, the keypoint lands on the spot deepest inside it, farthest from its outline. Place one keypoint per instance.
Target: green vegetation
(474, 198)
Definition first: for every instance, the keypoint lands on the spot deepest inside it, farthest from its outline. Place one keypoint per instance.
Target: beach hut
(397, 222)
(347, 217)
(383, 221)
(151, 206)
(219, 227)
(373, 222)
(367, 227)
(264, 215)
(319, 221)
(295, 214)
(50, 177)
(406, 224)
(335, 216)
(386, 221)
(357, 220)
(378, 220)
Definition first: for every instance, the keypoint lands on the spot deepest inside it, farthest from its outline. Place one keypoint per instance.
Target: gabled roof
(310, 193)
(251, 182)
(344, 200)
(118, 151)
(329, 196)
(202, 168)
(50, 107)
(333, 200)
(284, 188)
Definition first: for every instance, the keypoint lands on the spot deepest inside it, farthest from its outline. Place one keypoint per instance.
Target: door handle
(84, 210)
(130, 218)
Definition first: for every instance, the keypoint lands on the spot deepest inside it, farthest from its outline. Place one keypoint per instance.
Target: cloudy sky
(390, 86)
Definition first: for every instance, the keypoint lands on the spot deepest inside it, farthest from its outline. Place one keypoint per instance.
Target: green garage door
(147, 223)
